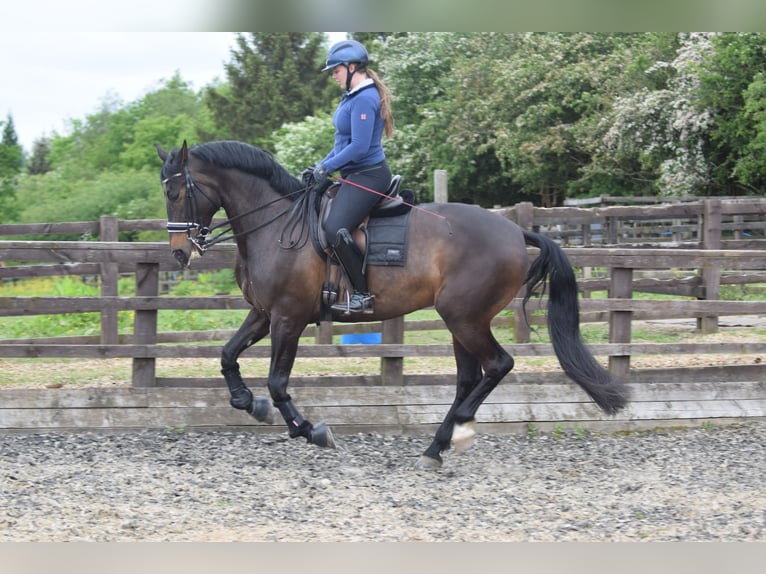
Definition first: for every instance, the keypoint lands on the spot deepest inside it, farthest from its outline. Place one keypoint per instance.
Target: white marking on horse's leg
(463, 436)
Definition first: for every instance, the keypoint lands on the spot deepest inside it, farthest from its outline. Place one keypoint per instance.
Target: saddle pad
(387, 240)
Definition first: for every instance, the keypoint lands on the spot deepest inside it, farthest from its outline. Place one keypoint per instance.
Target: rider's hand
(320, 173)
(307, 176)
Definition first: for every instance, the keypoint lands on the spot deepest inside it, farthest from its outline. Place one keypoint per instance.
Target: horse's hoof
(463, 436)
(428, 463)
(262, 410)
(321, 435)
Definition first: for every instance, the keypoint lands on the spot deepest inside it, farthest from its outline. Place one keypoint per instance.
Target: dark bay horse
(463, 260)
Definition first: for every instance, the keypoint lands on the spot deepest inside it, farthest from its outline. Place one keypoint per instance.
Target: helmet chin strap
(350, 74)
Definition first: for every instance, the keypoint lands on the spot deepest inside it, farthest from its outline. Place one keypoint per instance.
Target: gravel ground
(704, 484)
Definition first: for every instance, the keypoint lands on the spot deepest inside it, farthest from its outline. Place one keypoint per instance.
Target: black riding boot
(352, 262)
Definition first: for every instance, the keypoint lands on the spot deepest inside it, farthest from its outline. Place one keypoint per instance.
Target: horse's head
(190, 207)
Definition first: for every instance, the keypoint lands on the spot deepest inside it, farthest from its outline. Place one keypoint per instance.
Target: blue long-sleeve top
(358, 131)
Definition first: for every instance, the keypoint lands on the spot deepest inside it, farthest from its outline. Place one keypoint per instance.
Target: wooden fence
(394, 400)
(734, 223)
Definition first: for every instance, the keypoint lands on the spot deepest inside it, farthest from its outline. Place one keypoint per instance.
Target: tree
(39, 162)
(419, 70)
(371, 38)
(120, 135)
(11, 161)
(9, 135)
(94, 144)
(167, 116)
(125, 193)
(547, 116)
(751, 164)
(273, 78)
(731, 85)
(297, 144)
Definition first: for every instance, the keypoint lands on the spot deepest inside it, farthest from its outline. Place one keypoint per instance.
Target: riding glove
(307, 176)
(320, 173)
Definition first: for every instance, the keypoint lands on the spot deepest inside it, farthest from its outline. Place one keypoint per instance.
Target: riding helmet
(346, 52)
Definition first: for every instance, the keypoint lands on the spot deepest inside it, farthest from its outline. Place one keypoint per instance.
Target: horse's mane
(250, 159)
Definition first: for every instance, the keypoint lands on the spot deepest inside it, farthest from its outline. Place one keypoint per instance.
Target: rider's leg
(351, 204)
(352, 262)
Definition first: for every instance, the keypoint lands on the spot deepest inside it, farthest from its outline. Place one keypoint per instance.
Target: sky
(49, 79)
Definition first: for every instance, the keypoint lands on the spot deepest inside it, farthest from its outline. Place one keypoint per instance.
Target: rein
(202, 241)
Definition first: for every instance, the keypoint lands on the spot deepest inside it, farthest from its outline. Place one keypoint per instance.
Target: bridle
(202, 240)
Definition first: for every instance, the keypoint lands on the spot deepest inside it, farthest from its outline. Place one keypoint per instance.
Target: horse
(463, 260)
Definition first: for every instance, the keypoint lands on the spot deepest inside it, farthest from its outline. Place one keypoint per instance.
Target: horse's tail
(608, 392)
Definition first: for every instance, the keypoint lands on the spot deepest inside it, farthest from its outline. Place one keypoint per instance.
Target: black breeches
(351, 203)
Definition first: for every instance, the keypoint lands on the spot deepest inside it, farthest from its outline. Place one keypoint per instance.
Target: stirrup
(355, 302)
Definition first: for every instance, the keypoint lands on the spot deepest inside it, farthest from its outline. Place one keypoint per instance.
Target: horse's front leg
(284, 346)
(254, 328)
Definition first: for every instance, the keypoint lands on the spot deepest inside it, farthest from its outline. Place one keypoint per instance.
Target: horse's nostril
(181, 257)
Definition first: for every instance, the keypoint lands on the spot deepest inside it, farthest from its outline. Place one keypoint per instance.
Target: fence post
(145, 326)
(440, 186)
(108, 231)
(611, 230)
(620, 287)
(521, 332)
(739, 220)
(711, 273)
(324, 333)
(392, 368)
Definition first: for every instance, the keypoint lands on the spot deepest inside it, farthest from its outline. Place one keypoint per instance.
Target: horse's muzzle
(182, 257)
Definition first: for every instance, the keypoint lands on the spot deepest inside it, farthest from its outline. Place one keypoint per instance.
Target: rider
(361, 118)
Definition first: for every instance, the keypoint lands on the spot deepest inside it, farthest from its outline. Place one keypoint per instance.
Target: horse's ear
(161, 152)
(184, 153)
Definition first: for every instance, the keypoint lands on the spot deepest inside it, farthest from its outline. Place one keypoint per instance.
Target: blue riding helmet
(346, 52)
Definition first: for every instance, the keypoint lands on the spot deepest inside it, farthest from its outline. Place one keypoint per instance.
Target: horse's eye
(172, 187)
(172, 192)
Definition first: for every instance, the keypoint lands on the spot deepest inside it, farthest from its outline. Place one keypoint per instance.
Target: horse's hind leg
(495, 368)
(469, 374)
(252, 330)
(495, 362)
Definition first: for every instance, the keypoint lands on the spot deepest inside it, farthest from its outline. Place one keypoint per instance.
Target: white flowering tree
(664, 127)
(300, 144)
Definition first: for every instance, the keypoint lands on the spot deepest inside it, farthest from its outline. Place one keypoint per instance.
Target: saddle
(390, 205)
